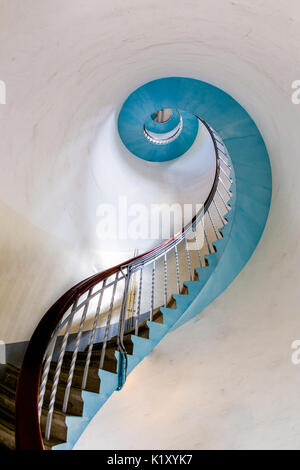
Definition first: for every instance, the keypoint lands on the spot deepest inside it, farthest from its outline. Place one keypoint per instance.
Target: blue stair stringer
(250, 203)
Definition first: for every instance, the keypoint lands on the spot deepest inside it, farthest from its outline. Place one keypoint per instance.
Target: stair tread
(7, 419)
(8, 415)
(8, 428)
(7, 390)
(10, 367)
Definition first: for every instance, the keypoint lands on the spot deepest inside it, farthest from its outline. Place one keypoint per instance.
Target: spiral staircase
(92, 348)
(101, 329)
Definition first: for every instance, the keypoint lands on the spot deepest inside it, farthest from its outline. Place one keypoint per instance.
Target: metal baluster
(177, 269)
(218, 140)
(88, 359)
(228, 177)
(165, 280)
(220, 150)
(131, 297)
(152, 291)
(212, 223)
(57, 373)
(216, 206)
(226, 164)
(139, 303)
(75, 353)
(44, 379)
(188, 257)
(226, 206)
(207, 243)
(221, 181)
(108, 321)
(198, 248)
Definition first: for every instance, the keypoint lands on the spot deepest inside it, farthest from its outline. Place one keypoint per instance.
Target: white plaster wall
(234, 385)
(61, 155)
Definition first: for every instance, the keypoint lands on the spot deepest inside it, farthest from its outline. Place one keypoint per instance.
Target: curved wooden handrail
(28, 432)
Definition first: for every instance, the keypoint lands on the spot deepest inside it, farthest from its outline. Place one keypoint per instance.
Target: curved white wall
(66, 66)
(61, 157)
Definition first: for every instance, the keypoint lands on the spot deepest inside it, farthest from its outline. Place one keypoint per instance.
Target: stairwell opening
(163, 127)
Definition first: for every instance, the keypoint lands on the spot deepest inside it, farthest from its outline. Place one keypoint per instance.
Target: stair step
(212, 260)
(75, 404)
(7, 438)
(112, 344)
(171, 315)
(93, 382)
(156, 330)
(11, 376)
(109, 359)
(225, 230)
(92, 403)
(220, 243)
(76, 425)
(7, 397)
(141, 346)
(109, 381)
(7, 410)
(183, 301)
(58, 429)
(7, 434)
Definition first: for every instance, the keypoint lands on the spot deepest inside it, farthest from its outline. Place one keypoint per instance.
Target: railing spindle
(219, 213)
(177, 269)
(188, 257)
(91, 344)
(139, 303)
(222, 183)
(198, 248)
(206, 238)
(225, 174)
(57, 373)
(213, 225)
(45, 375)
(152, 291)
(165, 280)
(75, 353)
(225, 205)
